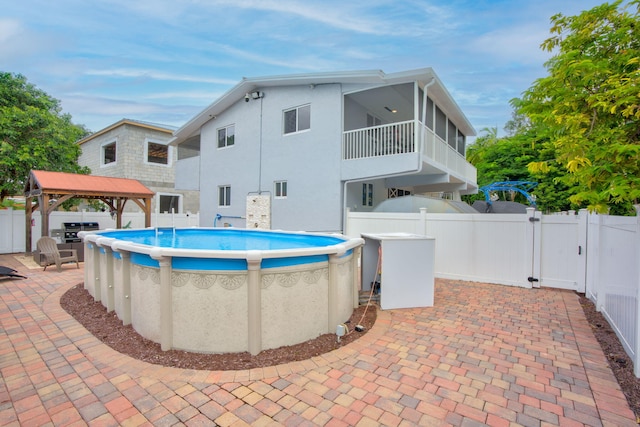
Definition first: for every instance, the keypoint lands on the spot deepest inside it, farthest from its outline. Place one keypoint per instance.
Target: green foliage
(589, 105)
(11, 203)
(34, 134)
(507, 159)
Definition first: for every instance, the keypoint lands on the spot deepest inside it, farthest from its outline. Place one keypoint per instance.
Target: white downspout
(424, 121)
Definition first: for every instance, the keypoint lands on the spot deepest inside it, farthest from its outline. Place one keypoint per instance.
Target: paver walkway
(484, 355)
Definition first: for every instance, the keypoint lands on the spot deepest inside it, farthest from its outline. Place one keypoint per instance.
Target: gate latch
(533, 219)
(532, 279)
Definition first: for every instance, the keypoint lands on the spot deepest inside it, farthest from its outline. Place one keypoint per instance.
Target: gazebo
(50, 189)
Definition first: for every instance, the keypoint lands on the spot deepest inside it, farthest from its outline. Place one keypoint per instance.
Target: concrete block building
(139, 150)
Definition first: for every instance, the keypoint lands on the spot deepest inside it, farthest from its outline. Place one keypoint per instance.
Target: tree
(34, 134)
(588, 106)
(476, 151)
(506, 159)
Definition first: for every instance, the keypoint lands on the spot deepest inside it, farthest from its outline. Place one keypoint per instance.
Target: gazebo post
(28, 231)
(44, 214)
(119, 209)
(147, 212)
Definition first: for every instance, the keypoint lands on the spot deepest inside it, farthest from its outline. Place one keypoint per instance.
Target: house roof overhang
(372, 78)
(146, 125)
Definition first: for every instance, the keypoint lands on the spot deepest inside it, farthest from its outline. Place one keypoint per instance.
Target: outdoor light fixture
(253, 95)
(391, 110)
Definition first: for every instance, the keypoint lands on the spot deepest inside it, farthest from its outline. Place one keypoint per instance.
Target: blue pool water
(236, 243)
(222, 239)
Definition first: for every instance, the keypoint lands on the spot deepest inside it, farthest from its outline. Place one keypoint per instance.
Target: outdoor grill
(71, 230)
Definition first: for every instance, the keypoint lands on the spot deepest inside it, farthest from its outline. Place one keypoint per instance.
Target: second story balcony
(411, 134)
(399, 145)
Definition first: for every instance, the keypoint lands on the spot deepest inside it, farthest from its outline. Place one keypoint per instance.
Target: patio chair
(52, 255)
(10, 272)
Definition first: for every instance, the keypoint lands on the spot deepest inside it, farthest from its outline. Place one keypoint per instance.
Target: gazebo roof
(86, 185)
(50, 189)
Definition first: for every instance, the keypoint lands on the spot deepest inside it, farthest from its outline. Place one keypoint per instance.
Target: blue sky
(165, 60)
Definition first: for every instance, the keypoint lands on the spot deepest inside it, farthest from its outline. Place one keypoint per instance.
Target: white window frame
(227, 203)
(180, 201)
(148, 141)
(113, 142)
(297, 110)
(226, 136)
(278, 189)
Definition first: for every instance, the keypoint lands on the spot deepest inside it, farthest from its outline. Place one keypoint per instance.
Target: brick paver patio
(484, 355)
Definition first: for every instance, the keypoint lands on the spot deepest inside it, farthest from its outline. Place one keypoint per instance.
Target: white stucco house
(139, 150)
(312, 146)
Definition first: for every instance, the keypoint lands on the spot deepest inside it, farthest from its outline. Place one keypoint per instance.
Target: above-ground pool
(222, 290)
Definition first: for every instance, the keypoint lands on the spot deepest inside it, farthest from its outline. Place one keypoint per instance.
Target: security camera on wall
(247, 97)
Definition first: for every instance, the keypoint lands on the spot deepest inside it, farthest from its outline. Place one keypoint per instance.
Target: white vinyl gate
(561, 244)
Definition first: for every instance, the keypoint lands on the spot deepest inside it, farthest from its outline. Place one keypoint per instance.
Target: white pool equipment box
(406, 275)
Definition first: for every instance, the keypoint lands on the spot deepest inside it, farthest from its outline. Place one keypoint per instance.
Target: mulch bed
(109, 329)
(124, 339)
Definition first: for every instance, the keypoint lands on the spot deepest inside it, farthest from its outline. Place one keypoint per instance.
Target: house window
(429, 116)
(170, 203)
(441, 124)
(297, 119)
(461, 142)
(157, 153)
(224, 195)
(281, 189)
(109, 153)
(451, 134)
(397, 192)
(226, 136)
(367, 194)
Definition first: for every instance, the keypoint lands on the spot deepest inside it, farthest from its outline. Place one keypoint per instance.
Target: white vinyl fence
(598, 255)
(507, 249)
(613, 277)
(13, 222)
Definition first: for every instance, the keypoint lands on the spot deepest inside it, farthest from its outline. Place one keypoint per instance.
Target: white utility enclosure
(407, 268)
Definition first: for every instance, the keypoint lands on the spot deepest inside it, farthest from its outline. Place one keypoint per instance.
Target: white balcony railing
(400, 138)
(385, 140)
(436, 149)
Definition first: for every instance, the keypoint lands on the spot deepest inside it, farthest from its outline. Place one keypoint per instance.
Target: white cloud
(307, 62)
(99, 112)
(337, 15)
(156, 75)
(18, 44)
(515, 44)
(146, 54)
(9, 29)
(207, 97)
